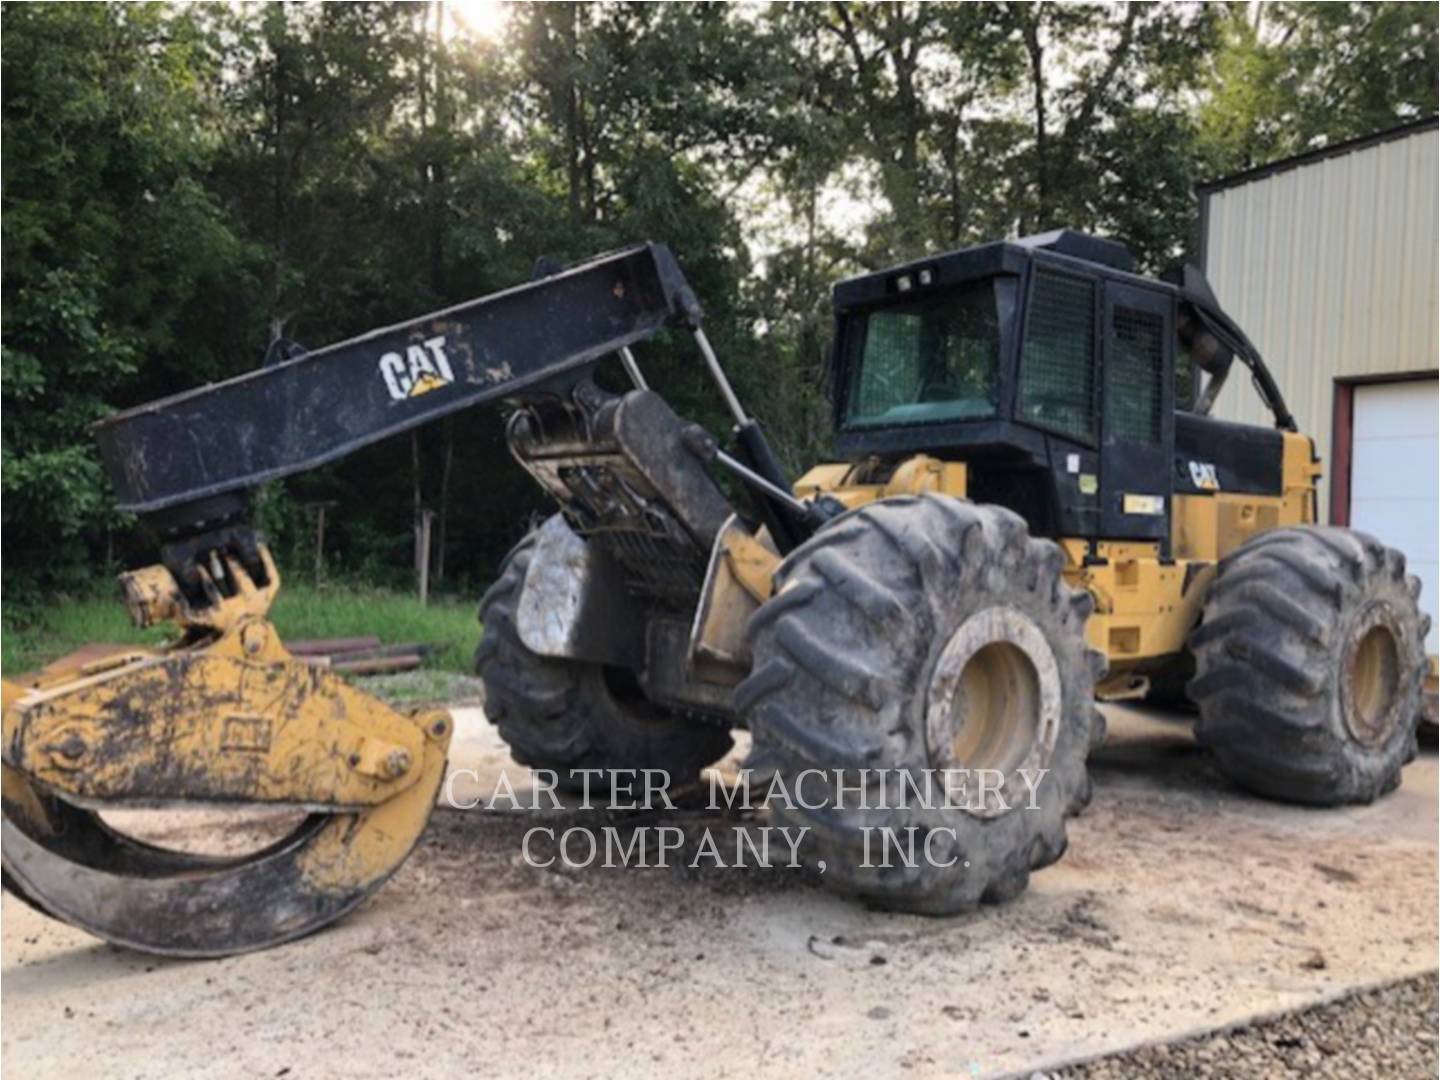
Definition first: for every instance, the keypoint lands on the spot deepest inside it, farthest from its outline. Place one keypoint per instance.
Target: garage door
(1394, 477)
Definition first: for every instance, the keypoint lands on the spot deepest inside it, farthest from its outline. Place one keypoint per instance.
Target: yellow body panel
(1209, 527)
(913, 476)
(740, 578)
(752, 562)
(1144, 608)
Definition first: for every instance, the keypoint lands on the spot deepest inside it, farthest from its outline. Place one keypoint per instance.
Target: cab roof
(1004, 256)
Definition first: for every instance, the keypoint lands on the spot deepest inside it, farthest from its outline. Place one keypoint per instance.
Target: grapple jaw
(223, 717)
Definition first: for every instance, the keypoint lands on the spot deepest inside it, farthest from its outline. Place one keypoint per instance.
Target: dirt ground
(1182, 906)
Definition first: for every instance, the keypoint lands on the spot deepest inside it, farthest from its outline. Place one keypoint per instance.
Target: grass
(448, 624)
(33, 637)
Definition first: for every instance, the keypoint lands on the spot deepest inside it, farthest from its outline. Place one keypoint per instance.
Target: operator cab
(1054, 371)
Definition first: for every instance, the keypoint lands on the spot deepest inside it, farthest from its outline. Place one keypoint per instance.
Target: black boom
(172, 458)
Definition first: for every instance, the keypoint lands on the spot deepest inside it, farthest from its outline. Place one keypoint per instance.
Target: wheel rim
(994, 704)
(1373, 679)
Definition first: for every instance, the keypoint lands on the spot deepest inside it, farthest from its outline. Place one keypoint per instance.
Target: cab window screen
(928, 360)
(1135, 375)
(1057, 368)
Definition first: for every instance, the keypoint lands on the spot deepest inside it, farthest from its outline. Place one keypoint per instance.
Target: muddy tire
(1309, 663)
(567, 715)
(923, 633)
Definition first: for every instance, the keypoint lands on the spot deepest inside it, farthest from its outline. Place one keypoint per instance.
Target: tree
(1291, 76)
(111, 245)
(980, 120)
(1108, 143)
(899, 81)
(186, 182)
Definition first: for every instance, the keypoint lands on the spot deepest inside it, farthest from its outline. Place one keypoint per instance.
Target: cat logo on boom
(418, 370)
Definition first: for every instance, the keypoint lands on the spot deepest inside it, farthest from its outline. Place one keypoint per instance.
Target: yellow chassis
(1145, 607)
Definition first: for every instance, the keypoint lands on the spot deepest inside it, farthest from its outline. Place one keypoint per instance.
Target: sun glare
(484, 18)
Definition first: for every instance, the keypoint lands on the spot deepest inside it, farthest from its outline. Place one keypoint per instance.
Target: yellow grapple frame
(225, 715)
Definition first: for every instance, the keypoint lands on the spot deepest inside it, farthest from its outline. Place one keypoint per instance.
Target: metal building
(1329, 262)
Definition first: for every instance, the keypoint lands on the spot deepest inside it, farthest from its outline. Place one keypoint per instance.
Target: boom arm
(172, 458)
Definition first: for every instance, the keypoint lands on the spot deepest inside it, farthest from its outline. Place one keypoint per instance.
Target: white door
(1394, 478)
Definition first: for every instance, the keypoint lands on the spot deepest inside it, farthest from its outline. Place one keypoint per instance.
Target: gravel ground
(1389, 1032)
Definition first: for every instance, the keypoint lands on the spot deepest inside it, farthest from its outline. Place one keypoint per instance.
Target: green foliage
(186, 183)
(36, 636)
(1291, 76)
(450, 626)
(110, 240)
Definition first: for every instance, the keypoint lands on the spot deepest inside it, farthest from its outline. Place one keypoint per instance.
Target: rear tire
(922, 634)
(568, 715)
(1309, 664)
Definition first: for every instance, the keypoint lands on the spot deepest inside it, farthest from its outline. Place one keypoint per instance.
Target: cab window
(930, 359)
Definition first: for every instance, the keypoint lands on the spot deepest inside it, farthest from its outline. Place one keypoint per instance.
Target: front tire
(568, 715)
(1309, 664)
(914, 634)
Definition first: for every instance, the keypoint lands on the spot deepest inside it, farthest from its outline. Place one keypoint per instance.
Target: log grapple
(225, 716)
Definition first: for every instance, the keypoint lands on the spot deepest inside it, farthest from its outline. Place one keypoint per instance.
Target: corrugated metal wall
(1330, 267)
